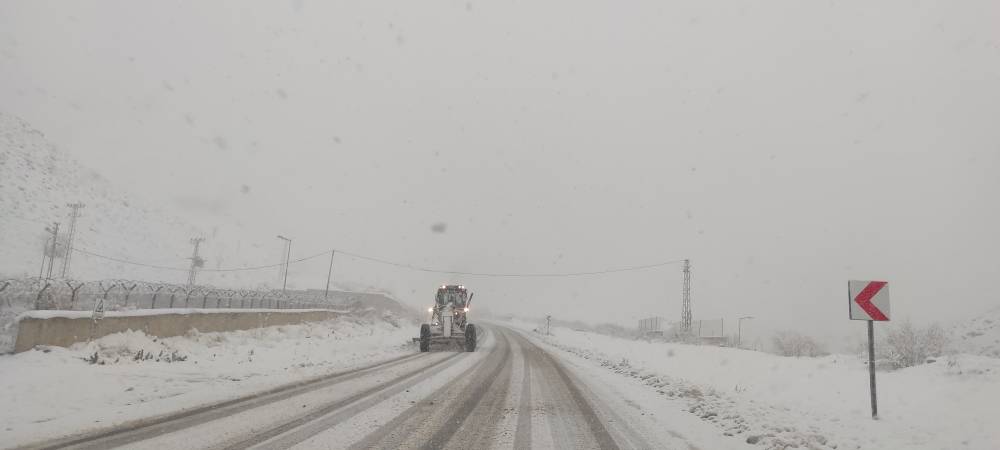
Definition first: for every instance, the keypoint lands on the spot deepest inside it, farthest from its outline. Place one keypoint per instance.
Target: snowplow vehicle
(449, 328)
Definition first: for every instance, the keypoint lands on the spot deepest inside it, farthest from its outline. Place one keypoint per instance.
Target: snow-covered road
(778, 402)
(509, 394)
(361, 383)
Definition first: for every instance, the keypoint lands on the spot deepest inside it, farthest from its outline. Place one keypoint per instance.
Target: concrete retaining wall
(65, 330)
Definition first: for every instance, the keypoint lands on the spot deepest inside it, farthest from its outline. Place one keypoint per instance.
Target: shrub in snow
(906, 345)
(791, 343)
(390, 318)
(676, 335)
(611, 329)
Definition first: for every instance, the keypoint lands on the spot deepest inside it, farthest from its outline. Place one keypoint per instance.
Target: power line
(197, 262)
(401, 265)
(686, 298)
(124, 261)
(512, 275)
(55, 239)
(72, 235)
(233, 269)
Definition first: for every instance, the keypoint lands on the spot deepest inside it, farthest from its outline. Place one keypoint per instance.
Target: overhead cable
(511, 275)
(400, 265)
(230, 269)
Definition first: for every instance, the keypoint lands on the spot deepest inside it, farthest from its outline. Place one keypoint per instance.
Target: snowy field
(127, 376)
(980, 335)
(779, 402)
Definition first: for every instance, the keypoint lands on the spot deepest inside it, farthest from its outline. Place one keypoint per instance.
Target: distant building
(715, 340)
(653, 326)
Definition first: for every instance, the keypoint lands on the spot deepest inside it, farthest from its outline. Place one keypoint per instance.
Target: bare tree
(791, 343)
(906, 345)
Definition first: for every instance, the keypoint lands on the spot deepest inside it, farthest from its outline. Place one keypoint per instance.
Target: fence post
(229, 299)
(128, 293)
(156, 292)
(3, 286)
(38, 298)
(75, 290)
(101, 304)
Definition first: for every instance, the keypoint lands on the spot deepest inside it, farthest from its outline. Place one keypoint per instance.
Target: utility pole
(54, 229)
(739, 331)
(288, 254)
(45, 249)
(686, 299)
(196, 261)
(329, 275)
(548, 325)
(72, 235)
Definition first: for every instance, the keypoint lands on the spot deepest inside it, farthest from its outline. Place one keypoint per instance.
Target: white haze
(784, 147)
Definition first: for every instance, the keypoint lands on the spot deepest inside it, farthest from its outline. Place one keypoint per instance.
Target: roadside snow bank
(127, 376)
(820, 403)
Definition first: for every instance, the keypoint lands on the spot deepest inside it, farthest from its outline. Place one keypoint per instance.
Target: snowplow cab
(449, 327)
(455, 296)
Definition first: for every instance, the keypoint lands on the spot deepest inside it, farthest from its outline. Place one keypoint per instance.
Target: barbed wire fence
(120, 294)
(20, 295)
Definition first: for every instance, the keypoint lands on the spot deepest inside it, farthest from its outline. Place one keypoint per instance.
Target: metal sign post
(871, 367)
(869, 301)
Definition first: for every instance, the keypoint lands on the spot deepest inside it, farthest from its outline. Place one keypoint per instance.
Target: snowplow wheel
(425, 337)
(470, 338)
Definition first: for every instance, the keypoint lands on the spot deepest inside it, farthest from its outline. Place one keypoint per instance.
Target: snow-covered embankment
(779, 402)
(128, 376)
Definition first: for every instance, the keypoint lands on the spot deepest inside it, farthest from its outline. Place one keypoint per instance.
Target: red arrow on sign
(864, 300)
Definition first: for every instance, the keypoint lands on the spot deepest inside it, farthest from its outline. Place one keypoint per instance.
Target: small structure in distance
(652, 327)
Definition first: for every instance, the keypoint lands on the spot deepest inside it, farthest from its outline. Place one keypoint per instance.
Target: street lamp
(739, 331)
(288, 254)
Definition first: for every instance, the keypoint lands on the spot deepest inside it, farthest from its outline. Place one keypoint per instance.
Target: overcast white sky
(783, 146)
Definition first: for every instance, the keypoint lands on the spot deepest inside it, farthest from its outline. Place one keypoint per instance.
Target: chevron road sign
(869, 300)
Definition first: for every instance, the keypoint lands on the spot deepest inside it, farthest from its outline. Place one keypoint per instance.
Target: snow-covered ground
(779, 402)
(980, 335)
(127, 376)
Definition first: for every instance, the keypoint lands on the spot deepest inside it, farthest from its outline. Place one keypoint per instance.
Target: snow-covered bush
(906, 345)
(791, 343)
(611, 329)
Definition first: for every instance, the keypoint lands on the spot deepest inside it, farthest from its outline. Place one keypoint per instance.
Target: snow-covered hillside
(780, 402)
(980, 335)
(37, 180)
